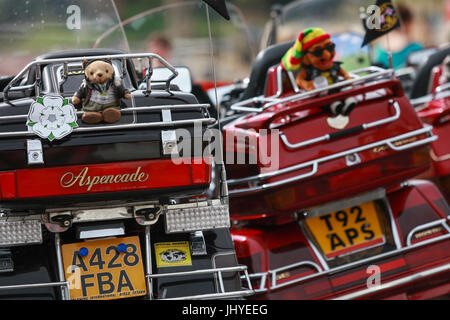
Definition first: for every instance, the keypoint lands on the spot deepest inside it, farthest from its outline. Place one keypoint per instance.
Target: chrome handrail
(130, 109)
(327, 137)
(314, 163)
(376, 72)
(426, 226)
(396, 283)
(214, 271)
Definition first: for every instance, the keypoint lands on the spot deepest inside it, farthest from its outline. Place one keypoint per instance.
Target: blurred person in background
(400, 41)
(161, 46)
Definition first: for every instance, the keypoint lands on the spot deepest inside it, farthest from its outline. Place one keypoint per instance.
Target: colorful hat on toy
(292, 59)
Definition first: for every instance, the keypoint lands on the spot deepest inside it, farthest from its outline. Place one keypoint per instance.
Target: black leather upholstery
(264, 60)
(422, 83)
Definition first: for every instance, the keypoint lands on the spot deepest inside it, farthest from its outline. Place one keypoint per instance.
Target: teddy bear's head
(98, 71)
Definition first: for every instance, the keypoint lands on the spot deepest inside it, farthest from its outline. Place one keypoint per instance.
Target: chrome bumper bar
(314, 164)
(395, 283)
(275, 284)
(216, 272)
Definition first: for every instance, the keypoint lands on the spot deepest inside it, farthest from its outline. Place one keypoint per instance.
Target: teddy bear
(100, 92)
(312, 55)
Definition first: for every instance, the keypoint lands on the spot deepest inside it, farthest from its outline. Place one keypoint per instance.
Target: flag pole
(389, 52)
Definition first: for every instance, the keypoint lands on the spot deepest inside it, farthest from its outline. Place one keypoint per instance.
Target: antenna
(223, 188)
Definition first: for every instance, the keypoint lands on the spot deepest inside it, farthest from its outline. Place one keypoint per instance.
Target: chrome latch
(169, 142)
(146, 215)
(34, 152)
(352, 159)
(198, 245)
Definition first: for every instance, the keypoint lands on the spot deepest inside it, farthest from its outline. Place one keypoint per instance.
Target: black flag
(220, 7)
(379, 20)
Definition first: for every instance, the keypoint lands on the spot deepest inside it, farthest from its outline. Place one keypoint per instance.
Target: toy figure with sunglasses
(312, 55)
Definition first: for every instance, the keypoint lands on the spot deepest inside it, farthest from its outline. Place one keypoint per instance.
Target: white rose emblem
(52, 117)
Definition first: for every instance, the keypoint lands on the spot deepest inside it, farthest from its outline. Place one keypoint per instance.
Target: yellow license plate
(104, 269)
(347, 231)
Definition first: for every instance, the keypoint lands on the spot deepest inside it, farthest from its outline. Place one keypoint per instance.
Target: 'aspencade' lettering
(69, 179)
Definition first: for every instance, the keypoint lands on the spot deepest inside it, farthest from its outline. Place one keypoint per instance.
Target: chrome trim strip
(395, 283)
(35, 285)
(131, 109)
(232, 294)
(439, 158)
(327, 136)
(426, 226)
(119, 127)
(316, 162)
(274, 273)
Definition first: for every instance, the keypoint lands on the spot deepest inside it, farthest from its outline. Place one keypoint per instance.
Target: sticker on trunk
(173, 254)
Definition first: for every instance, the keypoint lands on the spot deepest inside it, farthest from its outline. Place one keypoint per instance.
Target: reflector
(197, 218)
(14, 233)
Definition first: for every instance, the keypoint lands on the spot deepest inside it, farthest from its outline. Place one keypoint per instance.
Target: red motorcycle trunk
(383, 143)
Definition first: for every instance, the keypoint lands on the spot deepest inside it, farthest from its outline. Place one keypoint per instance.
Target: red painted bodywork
(437, 113)
(265, 249)
(304, 120)
(268, 233)
(151, 174)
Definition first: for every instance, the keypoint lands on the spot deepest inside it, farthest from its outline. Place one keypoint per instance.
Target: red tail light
(7, 185)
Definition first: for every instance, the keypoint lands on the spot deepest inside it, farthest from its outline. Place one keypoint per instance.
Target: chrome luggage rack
(90, 214)
(248, 105)
(65, 61)
(165, 109)
(166, 116)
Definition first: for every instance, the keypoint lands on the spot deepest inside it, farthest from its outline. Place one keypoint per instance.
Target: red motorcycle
(433, 107)
(340, 215)
(102, 211)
